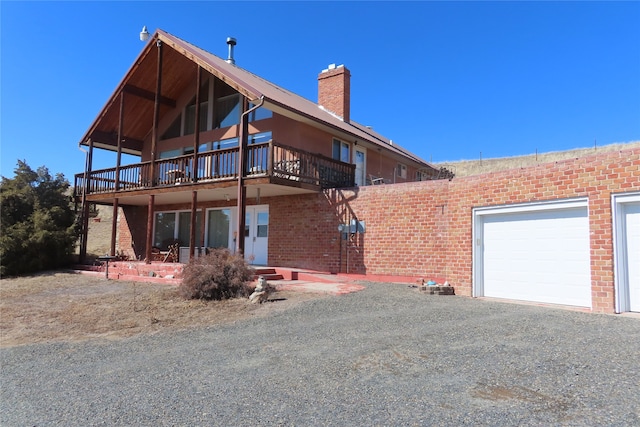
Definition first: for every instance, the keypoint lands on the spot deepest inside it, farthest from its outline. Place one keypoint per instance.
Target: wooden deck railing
(267, 159)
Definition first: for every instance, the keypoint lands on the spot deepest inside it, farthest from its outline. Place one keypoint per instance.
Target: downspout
(242, 194)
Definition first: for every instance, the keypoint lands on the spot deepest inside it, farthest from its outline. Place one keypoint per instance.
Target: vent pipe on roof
(144, 34)
(231, 42)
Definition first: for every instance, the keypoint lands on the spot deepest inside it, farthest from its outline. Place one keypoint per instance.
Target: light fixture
(226, 196)
(144, 34)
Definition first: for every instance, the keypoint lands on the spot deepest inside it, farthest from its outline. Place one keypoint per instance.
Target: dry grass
(59, 306)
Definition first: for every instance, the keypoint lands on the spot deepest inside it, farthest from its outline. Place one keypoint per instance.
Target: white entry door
(256, 234)
(361, 162)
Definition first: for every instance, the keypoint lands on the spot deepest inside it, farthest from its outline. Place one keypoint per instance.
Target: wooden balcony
(277, 163)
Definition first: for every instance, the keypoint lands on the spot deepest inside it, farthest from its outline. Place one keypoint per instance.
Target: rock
(262, 291)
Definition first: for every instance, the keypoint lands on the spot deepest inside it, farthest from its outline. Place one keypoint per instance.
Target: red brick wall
(425, 228)
(132, 232)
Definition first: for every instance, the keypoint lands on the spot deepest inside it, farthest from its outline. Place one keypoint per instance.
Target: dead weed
(73, 307)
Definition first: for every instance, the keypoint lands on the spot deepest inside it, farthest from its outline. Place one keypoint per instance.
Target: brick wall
(425, 228)
(436, 217)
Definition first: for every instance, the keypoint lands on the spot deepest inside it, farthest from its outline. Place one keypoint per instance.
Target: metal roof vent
(231, 42)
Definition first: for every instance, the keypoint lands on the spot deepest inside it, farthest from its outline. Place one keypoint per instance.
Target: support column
(84, 225)
(150, 215)
(242, 189)
(196, 134)
(192, 236)
(156, 115)
(114, 227)
(120, 136)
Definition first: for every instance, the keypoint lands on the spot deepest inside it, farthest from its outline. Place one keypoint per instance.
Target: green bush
(38, 228)
(217, 275)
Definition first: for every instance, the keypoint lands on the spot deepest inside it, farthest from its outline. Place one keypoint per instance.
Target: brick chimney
(334, 90)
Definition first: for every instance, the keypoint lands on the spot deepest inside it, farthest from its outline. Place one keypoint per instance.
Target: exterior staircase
(268, 273)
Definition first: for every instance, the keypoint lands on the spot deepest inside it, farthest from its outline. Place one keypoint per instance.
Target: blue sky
(446, 80)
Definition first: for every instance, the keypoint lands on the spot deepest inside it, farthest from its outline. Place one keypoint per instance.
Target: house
(288, 183)
(219, 148)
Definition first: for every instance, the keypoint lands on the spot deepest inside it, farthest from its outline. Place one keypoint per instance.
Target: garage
(534, 252)
(626, 226)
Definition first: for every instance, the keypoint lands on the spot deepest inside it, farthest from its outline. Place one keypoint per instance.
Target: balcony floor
(207, 192)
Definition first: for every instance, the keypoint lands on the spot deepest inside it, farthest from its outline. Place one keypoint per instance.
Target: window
(164, 230)
(228, 111)
(340, 151)
(185, 123)
(174, 130)
(170, 153)
(259, 138)
(225, 143)
(218, 221)
(422, 176)
(262, 224)
(190, 118)
(259, 114)
(174, 227)
(402, 170)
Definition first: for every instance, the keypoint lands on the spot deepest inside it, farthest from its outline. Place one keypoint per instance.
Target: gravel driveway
(388, 355)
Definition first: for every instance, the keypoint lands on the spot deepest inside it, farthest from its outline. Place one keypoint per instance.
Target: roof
(176, 76)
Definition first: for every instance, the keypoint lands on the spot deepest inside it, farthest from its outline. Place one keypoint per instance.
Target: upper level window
(225, 143)
(422, 176)
(228, 111)
(401, 170)
(170, 153)
(185, 123)
(340, 151)
(259, 138)
(259, 114)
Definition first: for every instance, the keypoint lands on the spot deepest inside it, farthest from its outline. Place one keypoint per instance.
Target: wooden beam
(114, 227)
(111, 138)
(150, 218)
(196, 134)
(148, 95)
(156, 115)
(192, 234)
(120, 133)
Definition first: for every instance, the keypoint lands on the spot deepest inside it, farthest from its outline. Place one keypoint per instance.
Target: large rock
(262, 291)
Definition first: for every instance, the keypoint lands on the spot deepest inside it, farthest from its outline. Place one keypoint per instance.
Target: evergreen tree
(38, 228)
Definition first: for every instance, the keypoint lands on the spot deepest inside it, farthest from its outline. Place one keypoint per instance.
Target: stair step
(264, 271)
(268, 277)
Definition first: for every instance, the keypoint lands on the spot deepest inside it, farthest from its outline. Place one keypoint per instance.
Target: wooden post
(156, 114)
(196, 138)
(203, 220)
(150, 215)
(84, 227)
(120, 136)
(242, 190)
(192, 235)
(114, 227)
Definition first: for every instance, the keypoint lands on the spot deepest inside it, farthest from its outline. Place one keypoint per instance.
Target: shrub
(38, 228)
(217, 275)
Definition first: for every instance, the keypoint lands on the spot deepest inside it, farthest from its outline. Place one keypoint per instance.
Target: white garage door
(632, 225)
(539, 254)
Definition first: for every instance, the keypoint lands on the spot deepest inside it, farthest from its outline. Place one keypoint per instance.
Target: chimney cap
(332, 67)
(231, 41)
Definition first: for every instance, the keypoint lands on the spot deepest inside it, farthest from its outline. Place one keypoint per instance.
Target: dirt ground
(61, 306)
